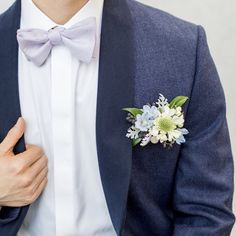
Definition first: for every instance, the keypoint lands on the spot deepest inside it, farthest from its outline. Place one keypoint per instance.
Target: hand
(23, 176)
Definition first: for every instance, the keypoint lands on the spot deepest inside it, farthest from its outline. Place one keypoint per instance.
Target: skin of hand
(23, 177)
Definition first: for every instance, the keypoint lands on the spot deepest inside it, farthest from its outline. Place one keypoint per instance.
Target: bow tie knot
(54, 35)
(80, 39)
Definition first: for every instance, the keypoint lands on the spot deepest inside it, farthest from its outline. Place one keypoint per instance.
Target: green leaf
(136, 141)
(178, 101)
(134, 111)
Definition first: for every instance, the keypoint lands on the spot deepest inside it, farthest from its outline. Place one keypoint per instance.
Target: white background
(219, 19)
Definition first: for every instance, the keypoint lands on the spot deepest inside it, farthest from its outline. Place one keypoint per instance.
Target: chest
(63, 91)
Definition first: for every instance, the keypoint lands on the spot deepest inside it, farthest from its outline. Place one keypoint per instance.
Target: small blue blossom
(181, 138)
(143, 122)
(184, 131)
(161, 122)
(151, 112)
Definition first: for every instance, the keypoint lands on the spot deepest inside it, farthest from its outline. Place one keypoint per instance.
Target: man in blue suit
(106, 186)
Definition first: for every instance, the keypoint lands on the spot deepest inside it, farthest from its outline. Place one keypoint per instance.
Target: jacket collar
(115, 91)
(9, 94)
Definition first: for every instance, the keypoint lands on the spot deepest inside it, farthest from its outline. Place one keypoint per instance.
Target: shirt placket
(63, 146)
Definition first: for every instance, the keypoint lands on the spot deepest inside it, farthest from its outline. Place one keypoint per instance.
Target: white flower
(179, 120)
(154, 139)
(154, 132)
(178, 111)
(173, 135)
(163, 137)
(160, 123)
(145, 140)
(166, 126)
(166, 111)
(162, 101)
(159, 138)
(133, 133)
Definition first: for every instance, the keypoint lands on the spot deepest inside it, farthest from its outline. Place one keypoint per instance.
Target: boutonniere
(161, 122)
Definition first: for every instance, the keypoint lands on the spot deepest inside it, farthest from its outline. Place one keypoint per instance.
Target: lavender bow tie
(37, 44)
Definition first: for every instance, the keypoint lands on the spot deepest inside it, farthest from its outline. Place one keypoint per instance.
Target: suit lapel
(9, 93)
(115, 91)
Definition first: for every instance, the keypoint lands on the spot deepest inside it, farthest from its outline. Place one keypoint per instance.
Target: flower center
(165, 124)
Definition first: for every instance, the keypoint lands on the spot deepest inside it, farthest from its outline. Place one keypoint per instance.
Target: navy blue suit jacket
(151, 191)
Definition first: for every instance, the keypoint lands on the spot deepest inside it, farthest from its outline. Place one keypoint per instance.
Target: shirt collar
(33, 17)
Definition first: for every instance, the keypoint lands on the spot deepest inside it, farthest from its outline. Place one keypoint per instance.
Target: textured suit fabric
(10, 218)
(186, 190)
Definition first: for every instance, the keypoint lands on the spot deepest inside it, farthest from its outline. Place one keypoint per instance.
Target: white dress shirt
(58, 102)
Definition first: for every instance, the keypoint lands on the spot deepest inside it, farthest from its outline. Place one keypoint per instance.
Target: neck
(60, 11)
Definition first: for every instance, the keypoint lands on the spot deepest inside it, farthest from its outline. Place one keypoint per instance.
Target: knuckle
(15, 168)
(38, 149)
(34, 147)
(26, 181)
(29, 146)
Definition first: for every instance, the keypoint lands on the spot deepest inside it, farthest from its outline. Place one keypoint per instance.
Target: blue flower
(181, 138)
(143, 122)
(161, 122)
(151, 112)
(146, 119)
(184, 131)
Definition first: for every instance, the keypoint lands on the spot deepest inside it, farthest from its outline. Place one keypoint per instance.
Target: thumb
(13, 136)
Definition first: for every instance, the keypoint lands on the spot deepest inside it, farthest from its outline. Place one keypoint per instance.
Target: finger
(40, 189)
(39, 178)
(12, 137)
(24, 201)
(30, 156)
(37, 167)
(35, 190)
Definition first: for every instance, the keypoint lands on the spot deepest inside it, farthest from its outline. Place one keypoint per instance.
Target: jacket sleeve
(204, 177)
(8, 214)
(11, 219)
